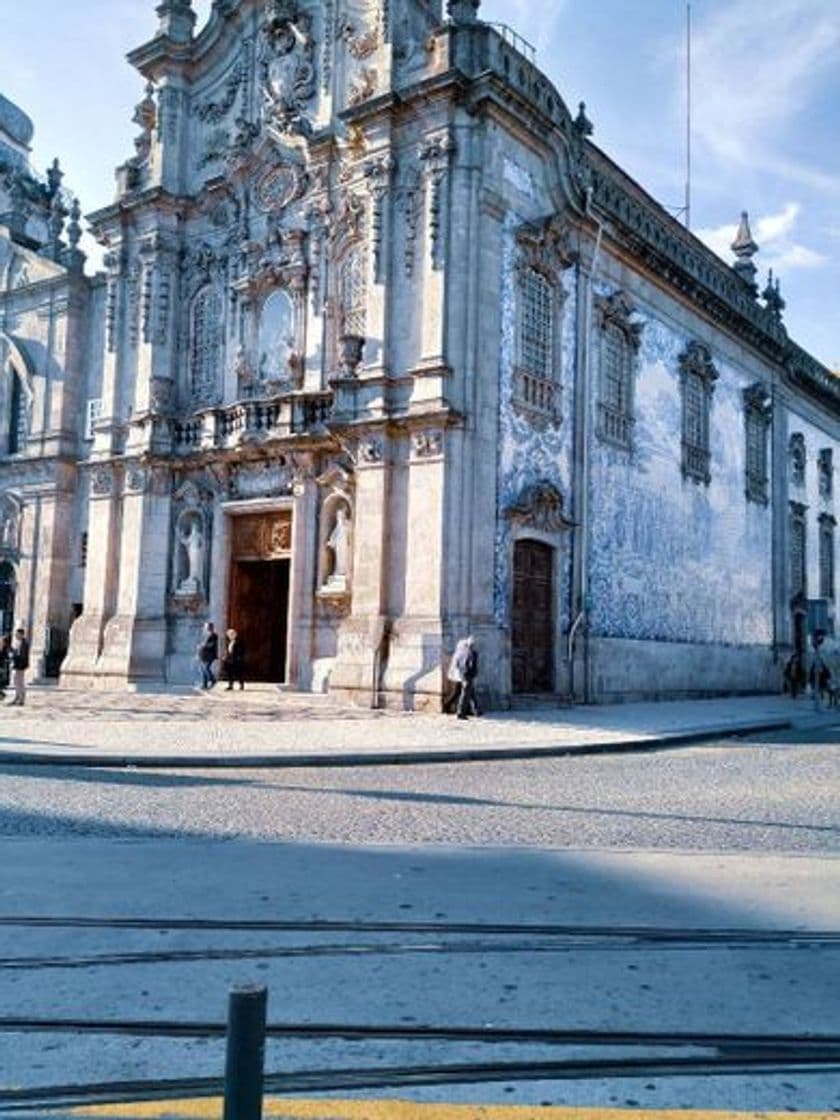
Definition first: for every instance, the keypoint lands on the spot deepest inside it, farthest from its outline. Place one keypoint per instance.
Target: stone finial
(177, 20)
(745, 249)
(74, 226)
(54, 177)
(582, 123)
(773, 297)
(463, 11)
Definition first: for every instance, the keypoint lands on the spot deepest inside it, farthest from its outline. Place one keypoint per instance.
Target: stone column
(302, 580)
(363, 635)
(134, 640)
(86, 636)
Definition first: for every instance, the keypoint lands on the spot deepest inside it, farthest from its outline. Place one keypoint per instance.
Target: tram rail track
(396, 1077)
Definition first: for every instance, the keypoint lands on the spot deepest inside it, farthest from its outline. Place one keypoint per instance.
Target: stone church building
(386, 351)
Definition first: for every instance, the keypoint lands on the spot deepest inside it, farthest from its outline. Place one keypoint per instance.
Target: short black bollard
(245, 1053)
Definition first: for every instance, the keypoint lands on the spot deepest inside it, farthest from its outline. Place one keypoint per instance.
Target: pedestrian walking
(208, 653)
(19, 659)
(794, 675)
(818, 674)
(5, 664)
(463, 669)
(233, 662)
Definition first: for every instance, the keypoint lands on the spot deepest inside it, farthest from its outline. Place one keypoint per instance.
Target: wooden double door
(258, 592)
(532, 623)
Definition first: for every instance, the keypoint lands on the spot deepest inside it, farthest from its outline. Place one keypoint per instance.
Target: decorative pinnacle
(463, 11)
(773, 297)
(177, 20)
(745, 249)
(582, 123)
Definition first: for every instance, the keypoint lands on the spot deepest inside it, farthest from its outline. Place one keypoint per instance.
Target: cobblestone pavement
(264, 720)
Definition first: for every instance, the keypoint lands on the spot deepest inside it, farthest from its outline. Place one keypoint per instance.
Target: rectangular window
(537, 325)
(798, 585)
(827, 524)
(83, 550)
(757, 416)
(92, 414)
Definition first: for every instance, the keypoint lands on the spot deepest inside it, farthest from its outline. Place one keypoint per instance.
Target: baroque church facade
(386, 351)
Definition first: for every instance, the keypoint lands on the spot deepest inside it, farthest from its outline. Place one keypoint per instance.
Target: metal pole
(245, 1053)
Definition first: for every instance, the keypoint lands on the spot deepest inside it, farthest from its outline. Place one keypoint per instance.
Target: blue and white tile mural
(672, 560)
(527, 455)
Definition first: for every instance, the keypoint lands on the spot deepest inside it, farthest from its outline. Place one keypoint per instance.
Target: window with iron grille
(17, 413)
(796, 457)
(205, 344)
(83, 550)
(619, 345)
(825, 470)
(353, 294)
(92, 414)
(757, 414)
(536, 325)
(827, 523)
(698, 376)
(798, 566)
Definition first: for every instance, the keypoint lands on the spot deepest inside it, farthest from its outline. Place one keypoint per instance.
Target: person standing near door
(19, 660)
(208, 652)
(234, 659)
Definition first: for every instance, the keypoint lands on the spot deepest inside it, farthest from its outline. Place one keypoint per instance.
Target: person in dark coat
(234, 659)
(465, 668)
(208, 653)
(19, 659)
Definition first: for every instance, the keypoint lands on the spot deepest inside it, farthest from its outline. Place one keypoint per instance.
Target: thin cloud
(756, 67)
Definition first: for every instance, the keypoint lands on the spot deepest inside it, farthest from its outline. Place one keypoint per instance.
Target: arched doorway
(8, 587)
(532, 623)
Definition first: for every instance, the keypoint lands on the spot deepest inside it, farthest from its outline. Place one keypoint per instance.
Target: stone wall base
(622, 669)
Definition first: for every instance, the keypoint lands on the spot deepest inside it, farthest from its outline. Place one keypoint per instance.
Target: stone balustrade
(229, 426)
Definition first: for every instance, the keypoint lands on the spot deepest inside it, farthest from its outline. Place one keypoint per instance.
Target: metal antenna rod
(688, 116)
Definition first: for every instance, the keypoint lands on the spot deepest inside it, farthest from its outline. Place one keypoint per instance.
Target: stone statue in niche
(8, 528)
(338, 551)
(190, 555)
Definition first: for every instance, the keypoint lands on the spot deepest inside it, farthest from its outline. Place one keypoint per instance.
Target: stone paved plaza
(265, 721)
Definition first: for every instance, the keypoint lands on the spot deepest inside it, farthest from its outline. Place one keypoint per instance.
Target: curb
(410, 757)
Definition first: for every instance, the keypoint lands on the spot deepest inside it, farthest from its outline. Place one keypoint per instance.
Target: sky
(765, 133)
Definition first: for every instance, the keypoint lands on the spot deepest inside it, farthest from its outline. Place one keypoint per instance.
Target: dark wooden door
(259, 612)
(533, 617)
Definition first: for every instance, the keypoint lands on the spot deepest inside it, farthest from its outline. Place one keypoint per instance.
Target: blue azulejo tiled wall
(527, 453)
(671, 559)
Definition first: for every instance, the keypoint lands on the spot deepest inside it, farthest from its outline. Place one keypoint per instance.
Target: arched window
(352, 294)
(205, 345)
(277, 337)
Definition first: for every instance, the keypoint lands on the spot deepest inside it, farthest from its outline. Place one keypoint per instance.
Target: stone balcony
(252, 421)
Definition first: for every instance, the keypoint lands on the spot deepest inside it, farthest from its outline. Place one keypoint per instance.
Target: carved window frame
(798, 550)
(825, 472)
(757, 416)
(206, 337)
(827, 556)
(544, 256)
(797, 459)
(698, 375)
(619, 345)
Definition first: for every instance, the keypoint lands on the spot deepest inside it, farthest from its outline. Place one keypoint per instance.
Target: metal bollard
(245, 1053)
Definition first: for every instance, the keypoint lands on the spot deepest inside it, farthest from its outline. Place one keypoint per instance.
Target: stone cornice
(153, 198)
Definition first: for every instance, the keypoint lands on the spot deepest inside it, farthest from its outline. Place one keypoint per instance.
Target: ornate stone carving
(287, 67)
(617, 310)
(412, 198)
(161, 395)
(191, 526)
(364, 86)
(213, 111)
(9, 524)
(112, 265)
(427, 444)
(371, 449)
(435, 154)
(825, 472)
(378, 172)
(546, 247)
(102, 480)
(539, 507)
(266, 478)
(281, 186)
(135, 478)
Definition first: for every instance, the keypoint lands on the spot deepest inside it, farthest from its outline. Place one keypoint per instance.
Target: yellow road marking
(278, 1109)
